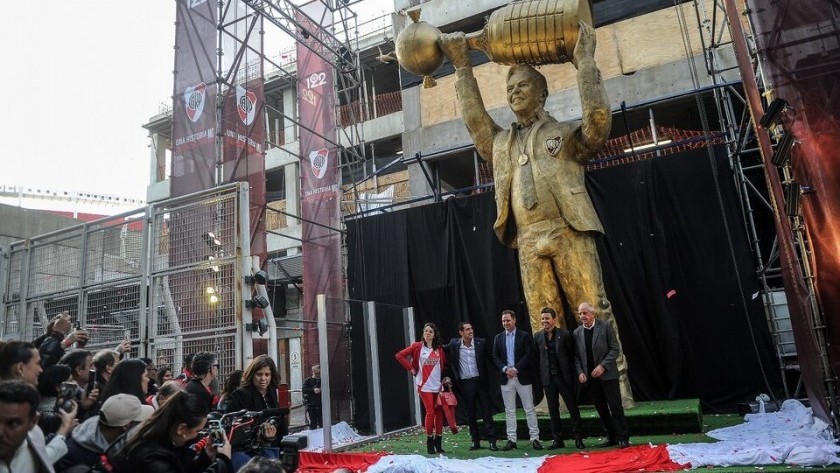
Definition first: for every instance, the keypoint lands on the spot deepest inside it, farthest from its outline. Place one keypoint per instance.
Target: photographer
(258, 392)
(52, 419)
(61, 337)
(118, 414)
(161, 444)
(80, 362)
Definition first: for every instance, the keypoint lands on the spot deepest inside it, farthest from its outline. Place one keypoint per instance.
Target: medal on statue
(523, 158)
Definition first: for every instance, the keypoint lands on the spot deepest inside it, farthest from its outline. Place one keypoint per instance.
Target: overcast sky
(81, 78)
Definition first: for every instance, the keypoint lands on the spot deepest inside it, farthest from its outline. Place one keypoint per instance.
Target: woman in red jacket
(426, 362)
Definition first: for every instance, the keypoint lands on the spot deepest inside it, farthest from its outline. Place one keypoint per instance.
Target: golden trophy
(522, 32)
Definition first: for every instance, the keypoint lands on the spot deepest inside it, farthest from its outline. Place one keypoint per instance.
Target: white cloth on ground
(790, 436)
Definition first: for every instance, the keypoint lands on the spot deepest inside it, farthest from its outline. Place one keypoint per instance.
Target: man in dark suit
(597, 350)
(469, 362)
(555, 350)
(512, 354)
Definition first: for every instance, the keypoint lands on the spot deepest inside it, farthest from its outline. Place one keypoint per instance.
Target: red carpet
(639, 458)
(316, 462)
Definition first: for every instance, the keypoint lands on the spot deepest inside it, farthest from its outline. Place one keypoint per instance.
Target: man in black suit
(597, 350)
(512, 353)
(556, 352)
(468, 363)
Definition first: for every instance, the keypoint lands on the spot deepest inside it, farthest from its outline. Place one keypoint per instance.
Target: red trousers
(434, 413)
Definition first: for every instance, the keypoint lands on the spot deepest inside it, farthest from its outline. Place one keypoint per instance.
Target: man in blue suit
(512, 355)
(468, 366)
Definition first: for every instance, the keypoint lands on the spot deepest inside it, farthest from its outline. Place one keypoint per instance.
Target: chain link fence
(169, 277)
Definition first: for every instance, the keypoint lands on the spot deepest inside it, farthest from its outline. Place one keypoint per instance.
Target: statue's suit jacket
(562, 172)
(604, 349)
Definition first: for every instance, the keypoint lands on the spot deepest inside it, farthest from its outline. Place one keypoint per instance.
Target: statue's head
(527, 89)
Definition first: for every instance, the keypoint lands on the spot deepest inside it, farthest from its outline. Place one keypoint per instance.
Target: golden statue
(543, 208)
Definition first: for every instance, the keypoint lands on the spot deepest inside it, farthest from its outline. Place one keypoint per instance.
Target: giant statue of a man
(542, 204)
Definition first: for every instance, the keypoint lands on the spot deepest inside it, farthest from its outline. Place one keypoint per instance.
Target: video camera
(243, 428)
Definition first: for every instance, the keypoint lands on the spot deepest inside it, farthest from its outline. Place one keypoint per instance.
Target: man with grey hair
(596, 351)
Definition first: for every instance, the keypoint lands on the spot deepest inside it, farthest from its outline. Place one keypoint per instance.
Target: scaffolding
(744, 148)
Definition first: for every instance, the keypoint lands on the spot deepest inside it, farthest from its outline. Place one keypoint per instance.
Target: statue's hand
(454, 47)
(585, 47)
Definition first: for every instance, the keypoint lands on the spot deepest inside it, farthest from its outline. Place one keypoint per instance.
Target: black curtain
(677, 269)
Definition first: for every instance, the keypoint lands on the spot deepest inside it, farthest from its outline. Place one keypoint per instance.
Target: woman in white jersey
(426, 361)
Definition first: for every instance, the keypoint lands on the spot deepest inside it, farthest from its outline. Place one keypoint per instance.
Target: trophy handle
(477, 40)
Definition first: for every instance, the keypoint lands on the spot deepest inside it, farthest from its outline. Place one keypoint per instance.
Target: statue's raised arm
(596, 115)
(481, 127)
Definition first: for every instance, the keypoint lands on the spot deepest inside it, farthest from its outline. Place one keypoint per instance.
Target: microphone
(266, 413)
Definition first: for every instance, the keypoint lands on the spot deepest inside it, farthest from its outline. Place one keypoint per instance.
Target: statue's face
(523, 94)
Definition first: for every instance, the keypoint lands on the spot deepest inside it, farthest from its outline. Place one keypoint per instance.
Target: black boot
(438, 441)
(430, 445)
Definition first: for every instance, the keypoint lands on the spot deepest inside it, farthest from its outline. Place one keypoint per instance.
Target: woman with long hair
(257, 392)
(129, 377)
(162, 442)
(164, 374)
(232, 383)
(426, 361)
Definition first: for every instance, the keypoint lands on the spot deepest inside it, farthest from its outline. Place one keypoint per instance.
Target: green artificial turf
(457, 445)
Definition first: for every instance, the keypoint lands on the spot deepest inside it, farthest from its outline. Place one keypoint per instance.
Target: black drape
(440, 260)
(677, 269)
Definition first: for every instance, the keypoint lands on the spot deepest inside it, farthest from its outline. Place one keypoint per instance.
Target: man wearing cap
(118, 414)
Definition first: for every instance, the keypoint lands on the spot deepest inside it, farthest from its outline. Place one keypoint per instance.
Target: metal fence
(170, 277)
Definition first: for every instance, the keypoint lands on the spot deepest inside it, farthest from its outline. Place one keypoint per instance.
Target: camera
(290, 446)
(215, 432)
(66, 396)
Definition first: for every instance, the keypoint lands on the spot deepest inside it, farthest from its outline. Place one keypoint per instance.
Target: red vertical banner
(194, 98)
(243, 118)
(320, 193)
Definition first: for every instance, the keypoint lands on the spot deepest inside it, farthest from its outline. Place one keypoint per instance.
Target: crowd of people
(64, 408)
(567, 365)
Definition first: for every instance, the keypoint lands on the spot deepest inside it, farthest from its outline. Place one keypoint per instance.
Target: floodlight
(211, 239)
(210, 259)
(782, 153)
(773, 112)
(260, 326)
(792, 195)
(260, 277)
(257, 301)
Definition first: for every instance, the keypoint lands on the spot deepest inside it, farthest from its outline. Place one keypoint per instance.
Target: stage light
(260, 326)
(260, 277)
(211, 239)
(646, 146)
(257, 301)
(792, 195)
(773, 111)
(782, 152)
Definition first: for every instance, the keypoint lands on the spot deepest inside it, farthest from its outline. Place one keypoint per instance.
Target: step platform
(679, 416)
